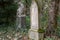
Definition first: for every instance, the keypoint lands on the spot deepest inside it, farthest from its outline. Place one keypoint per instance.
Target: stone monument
(33, 32)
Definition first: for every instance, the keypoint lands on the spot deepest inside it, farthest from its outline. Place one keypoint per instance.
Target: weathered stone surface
(33, 32)
(34, 15)
(33, 35)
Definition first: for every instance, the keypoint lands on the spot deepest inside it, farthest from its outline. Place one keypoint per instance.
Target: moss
(41, 30)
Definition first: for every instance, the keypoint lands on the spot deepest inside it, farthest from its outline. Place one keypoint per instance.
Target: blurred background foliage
(8, 9)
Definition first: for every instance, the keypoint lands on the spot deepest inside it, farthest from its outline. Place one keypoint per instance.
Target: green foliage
(58, 31)
(58, 26)
(27, 22)
(6, 2)
(44, 14)
(49, 38)
(27, 2)
(8, 9)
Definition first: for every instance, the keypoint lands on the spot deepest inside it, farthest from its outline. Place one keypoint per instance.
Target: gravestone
(33, 32)
(20, 20)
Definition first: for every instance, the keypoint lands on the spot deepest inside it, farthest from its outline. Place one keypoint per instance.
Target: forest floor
(12, 34)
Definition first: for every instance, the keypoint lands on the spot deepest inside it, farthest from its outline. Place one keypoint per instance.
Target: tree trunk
(52, 21)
